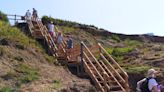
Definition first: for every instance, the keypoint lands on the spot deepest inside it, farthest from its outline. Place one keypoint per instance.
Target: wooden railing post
(100, 51)
(15, 18)
(126, 86)
(81, 55)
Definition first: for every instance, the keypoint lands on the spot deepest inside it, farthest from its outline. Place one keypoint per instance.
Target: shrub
(66, 29)
(129, 42)
(115, 37)
(12, 34)
(118, 58)
(109, 50)
(6, 89)
(3, 17)
(118, 53)
(136, 69)
(121, 51)
(50, 59)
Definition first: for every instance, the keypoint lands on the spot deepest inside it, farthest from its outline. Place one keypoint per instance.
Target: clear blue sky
(120, 16)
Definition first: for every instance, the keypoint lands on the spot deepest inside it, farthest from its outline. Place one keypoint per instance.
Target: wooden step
(61, 58)
(115, 88)
(37, 35)
(112, 82)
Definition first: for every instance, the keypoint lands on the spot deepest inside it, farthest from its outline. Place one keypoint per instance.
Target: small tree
(3, 17)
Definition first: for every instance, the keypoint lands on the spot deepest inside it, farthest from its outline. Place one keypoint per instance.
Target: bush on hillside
(6, 89)
(129, 42)
(115, 37)
(121, 51)
(3, 17)
(136, 69)
(46, 19)
(13, 34)
(66, 29)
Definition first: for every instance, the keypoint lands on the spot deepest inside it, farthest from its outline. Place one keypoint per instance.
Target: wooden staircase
(104, 71)
(106, 76)
(39, 31)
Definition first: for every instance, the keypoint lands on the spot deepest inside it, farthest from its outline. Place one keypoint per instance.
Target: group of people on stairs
(33, 16)
(58, 37)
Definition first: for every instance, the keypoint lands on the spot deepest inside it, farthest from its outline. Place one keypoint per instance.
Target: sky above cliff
(119, 16)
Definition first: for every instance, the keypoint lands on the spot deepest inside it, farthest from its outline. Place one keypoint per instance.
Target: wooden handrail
(14, 15)
(112, 60)
(46, 31)
(93, 76)
(30, 26)
(45, 34)
(125, 75)
(94, 68)
(113, 69)
(89, 51)
(115, 72)
(95, 60)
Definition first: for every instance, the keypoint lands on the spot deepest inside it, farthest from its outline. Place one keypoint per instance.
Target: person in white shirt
(152, 83)
(51, 30)
(28, 15)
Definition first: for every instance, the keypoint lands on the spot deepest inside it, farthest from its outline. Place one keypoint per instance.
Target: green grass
(121, 51)
(109, 50)
(14, 35)
(29, 74)
(6, 89)
(50, 59)
(118, 53)
(21, 41)
(66, 29)
(136, 69)
(57, 84)
(115, 37)
(131, 43)
(118, 59)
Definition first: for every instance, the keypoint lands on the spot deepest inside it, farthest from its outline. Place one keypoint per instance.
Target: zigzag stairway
(104, 71)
